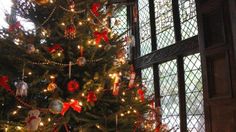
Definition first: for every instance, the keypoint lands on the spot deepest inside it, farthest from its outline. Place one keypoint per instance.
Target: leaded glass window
(188, 18)
(169, 94)
(144, 27)
(194, 93)
(147, 80)
(164, 23)
(119, 21)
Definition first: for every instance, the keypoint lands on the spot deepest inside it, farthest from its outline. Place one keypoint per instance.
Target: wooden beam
(183, 48)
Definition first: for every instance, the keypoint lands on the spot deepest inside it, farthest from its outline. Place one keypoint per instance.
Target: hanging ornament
(21, 88)
(132, 76)
(70, 31)
(74, 104)
(55, 106)
(72, 86)
(101, 35)
(55, 48)
(51, 86)
(33, 120)
(30, 48)
(95, 8)
(42, 2)
(91, 98)
(116, 85)
(4, 83)
(81, 61)
(140, 92)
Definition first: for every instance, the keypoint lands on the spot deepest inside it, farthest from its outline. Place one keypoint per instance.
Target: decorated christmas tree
(71, 72)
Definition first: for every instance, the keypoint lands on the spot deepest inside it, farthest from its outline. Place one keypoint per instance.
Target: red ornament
(141, 94)
(14, 26)
(4, 83)
(72, 86)
(91, 97)
(70, 31)
(95, 7)
(101, 35)
(74, 104)
(55, 48)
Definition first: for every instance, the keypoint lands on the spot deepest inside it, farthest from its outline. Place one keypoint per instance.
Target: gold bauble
(51, 86)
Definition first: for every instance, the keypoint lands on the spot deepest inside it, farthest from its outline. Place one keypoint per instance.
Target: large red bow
(14, 26)
(101, 35)
(95, 8)
(74, 104)
(54, 48)
(4, 83)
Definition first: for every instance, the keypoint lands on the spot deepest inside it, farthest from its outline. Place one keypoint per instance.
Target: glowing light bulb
(18, 128)
(19, 107)
(63, 24)
(80, 23)
(45, 90)
(128, 112)
(123, 100)
(81, 103)
(78, 46)
(123, 93)
(29, 73)
(88, 19)
(135, 111)
(14, 112)
(122, 114)
(83, 94)
(100, 46)
(59, 54)
(52, 77)
(41, 124)
(49, 119)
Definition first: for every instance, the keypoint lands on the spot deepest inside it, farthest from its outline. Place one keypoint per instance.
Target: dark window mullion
(180, 68)
(153, 24)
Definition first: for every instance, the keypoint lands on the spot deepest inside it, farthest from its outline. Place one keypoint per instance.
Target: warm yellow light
(81, 103)
(41, 124)
(96, 29)
(63, 24)
(136, 98)
(72, 100)
(6, 129)
(123, 100)
(72, 9)
(100, 46)
(29, 73)
(98, 126)
(89, 41)
(18, 128)
(19, 106)
(52, 77)
(122, 114)
(45, 90)
(80, 23)
(123, 93)
(88, 18)
(83, 94)
(59, 54)
(49, 119)
(135, 111)
(51, 1)
(14, 112)
(128, 112)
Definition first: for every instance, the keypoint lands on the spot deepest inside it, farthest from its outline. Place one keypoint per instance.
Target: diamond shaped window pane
(169, 94)
(147, 80)
(144, 27)
(188, 18)
(194, 93)
(119, 22)
(164, 23)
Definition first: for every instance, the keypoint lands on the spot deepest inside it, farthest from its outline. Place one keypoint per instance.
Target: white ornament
(33, 120)
(21, 88)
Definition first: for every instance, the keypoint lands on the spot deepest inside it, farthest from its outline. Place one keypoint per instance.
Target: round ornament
(51, 86)
(56, 106)
(41, 2)
(81, 61)
(21, 88)
(70, 31)
(72, 86)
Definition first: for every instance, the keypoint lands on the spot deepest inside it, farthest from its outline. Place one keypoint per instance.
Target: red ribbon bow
(141, 94)
(74, 104)
(101, 35)
(54, 48)
(14, 26)
(4, 83)
(95, 8)
(91, 97)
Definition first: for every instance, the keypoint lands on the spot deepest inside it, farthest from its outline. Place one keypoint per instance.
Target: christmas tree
(71, 72)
